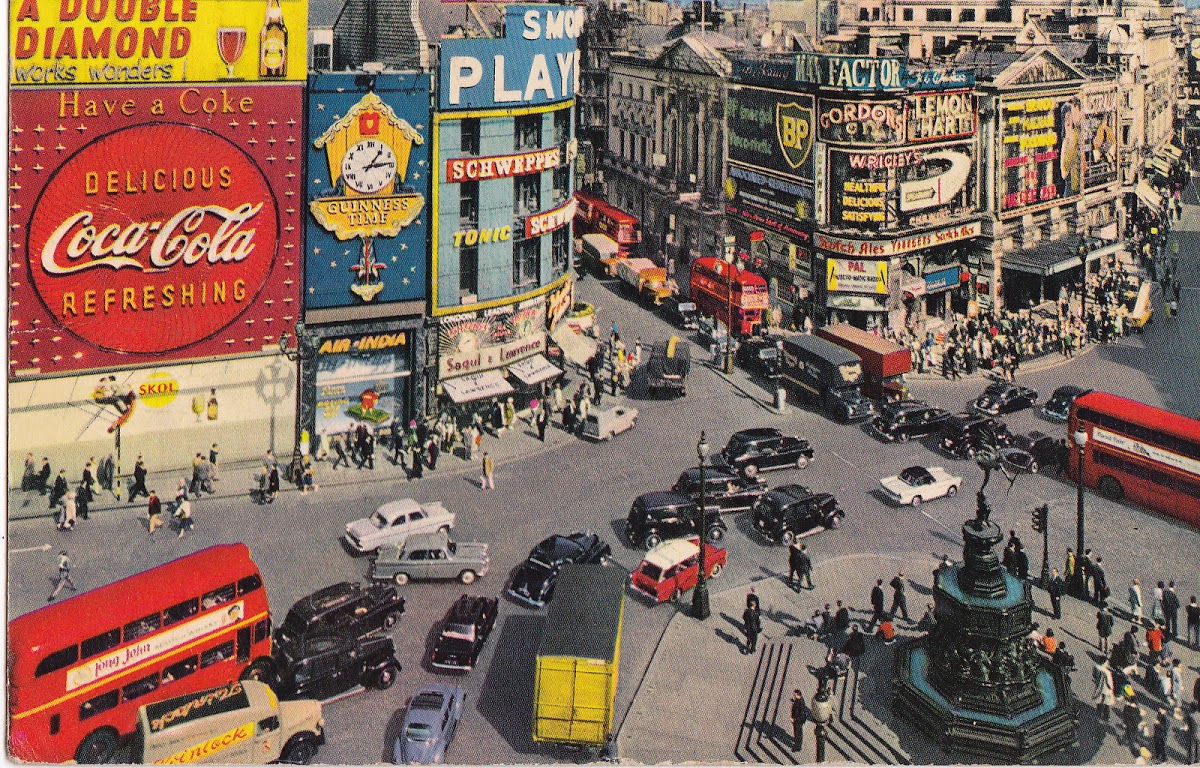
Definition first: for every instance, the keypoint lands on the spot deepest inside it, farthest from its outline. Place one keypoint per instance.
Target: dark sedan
(1004, 398)
(535, 579)
(789, 512)
(464, 632)
(723, 491)
(906, 420)
(1044, 452)
(761, 356)
(751, 451)
(1059, 404)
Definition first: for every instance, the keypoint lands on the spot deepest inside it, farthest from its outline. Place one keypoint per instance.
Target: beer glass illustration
(231, 43)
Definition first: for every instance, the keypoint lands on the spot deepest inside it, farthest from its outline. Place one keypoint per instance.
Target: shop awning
(1047, 258)
(1148, 196)
(477, 386)
(534, 370)
(913, 287)
(576, 348)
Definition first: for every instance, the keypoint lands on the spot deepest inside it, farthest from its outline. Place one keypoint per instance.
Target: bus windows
(216, 655)
(180, 611)
(178, 670)
(101, 703)
(57, 660)
(143, 626)
(100, 643)
(261, 630)
(217, 597)
(249, 584)
(55, 723)
(139, 688)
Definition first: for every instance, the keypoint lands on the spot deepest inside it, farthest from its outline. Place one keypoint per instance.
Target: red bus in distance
(595, 214)
(79, 669)
(717, 287)
(1137, 452)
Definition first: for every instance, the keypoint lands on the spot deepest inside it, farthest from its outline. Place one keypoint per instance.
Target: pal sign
(537, 61)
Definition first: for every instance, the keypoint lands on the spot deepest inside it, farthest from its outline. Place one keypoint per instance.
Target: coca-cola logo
(153, 238)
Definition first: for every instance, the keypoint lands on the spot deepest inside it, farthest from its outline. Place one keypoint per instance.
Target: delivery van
(240, 723)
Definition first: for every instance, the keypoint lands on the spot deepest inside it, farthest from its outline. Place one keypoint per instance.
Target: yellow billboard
(142, 42)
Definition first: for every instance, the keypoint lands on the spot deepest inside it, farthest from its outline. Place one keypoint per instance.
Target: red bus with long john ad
(1137, 452)
(718, 287)
(79, 669)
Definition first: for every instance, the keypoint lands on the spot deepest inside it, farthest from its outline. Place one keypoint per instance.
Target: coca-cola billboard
(152, 224)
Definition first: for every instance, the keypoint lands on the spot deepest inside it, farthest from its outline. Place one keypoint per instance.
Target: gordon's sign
(147, 231)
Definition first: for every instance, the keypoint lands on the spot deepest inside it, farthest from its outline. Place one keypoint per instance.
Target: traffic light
(1040, 515)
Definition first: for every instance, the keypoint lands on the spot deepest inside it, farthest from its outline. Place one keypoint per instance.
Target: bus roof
(81, 616)
(826, 350)
(585, 618)
(1139, 413)
(718, 266)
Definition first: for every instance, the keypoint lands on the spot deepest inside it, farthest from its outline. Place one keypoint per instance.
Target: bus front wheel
(98, 747)
(261, 670)
(1111, 488)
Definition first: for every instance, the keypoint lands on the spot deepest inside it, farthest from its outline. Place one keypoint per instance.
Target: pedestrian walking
(66, 511)
(367, 449)
(204, 475)
(83, 500)
(60, 488)
(799, 565)
(510, 414)
(1104, 627)
(1099, 581)
(876, 604)
(543, 419)
(751, 625)
(64, 576)
(1193, 622)
(899, 601)
(1156, 607)
(434, 451)
(213, 454)
(1135, 599)
(139, 479)
(488, 477)
(308, 478)
(1131, 718)
(183, 516)
(1069, 567)
(1103, 696)
(799, 718)
(1055, 590)
(1154, 641)
(106, 473)
(1021, 560)
(29, 477)
(1176, 682)
(1162, 730)
(841, 618)
(1191, 734)
(1170, 601)
(273, 482)
(154, 512)
(417, 457)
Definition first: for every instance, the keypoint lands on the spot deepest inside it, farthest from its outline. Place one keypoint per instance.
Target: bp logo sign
(793, 127)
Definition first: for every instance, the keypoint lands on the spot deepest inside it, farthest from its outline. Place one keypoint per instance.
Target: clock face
(369, 166)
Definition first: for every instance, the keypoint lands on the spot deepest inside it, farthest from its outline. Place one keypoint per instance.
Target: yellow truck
(241, 723)
(646, 278)
(600, 253)
(575, 681)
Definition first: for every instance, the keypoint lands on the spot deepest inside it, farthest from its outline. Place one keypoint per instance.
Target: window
(249, 584)
(998, 14)
(468, 204)
(144, 626)
(181, 611)
(57, 660)
(863, 14)
(216, 655)
(468, 141)
(528, 132)
(560, 251)
(966, 14)
(468, 271)
(562, 183)
(55, 723)
(261, 630)
(908, 14)
(139, 688)
(322, 56)
(527, 258)
(179, 669)
(937, 14)
(100, 643)
(875, 14)
(562, 126)
(268, 724)
(218, 596)
(101, 703)
(527, 197)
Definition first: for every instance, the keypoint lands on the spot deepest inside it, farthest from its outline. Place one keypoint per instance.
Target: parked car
(681, 312)
(791, 511)
(322, 666)
(673, 567)
(964, 435)
(1059, 404)
(348, 608)
(431, 556)
(918, 484)
(709, 331)
(466, 628)
(395, 521)
(535, 579)
(907, 419)
(667, 515)
(668, 367)
(723, 491)
(751, 451)
(427, 729)
(1046, 452)
(1004, 398)
(1018, 460)
(604, 422)
(761, 356)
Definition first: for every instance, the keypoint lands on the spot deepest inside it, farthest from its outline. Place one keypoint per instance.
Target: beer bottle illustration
(272, 43)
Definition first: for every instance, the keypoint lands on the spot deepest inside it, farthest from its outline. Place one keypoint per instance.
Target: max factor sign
(852, 73)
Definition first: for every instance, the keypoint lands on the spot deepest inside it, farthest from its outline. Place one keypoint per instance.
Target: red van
(672, 567)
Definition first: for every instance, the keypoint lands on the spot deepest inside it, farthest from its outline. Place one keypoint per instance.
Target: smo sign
(771, 131)
(537, 61)
(134, 42)
(148, 235)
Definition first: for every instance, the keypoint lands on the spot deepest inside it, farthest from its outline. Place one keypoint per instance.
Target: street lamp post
(822, 713)
(729, 323)
(700, 608)
(303, 354)
(1078, 577)
(1083, 289)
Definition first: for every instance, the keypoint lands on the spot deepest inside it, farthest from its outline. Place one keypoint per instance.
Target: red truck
(883, 361)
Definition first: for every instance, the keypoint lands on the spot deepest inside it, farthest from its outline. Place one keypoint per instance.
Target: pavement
(703, 700)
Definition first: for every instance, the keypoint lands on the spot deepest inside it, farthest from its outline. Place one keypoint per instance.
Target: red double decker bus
(1138, 452)
(596, 215)
(79, 669)
(718, 287)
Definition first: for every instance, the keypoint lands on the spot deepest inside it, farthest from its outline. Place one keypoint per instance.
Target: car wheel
(98, 747)
(952, 490)
(916, 501)
(384, 678)
(750, 470)
(1110, 488)
(715, 534)
(444, 529)
(400, 578)
(715, 572)
(802, 461)
(835, 522)
(651, 541)
(261, 670)
(1033, 467)
(789, 538)
(467, 577)
(301, 749)
(391, 619)
(677, 596)
(605, 559)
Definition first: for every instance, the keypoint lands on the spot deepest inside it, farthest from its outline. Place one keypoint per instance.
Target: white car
(395, 521)
(917, 484)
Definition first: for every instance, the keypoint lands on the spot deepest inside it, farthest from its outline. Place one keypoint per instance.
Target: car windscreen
(650, 571)
(768, 353)
(379, 521)
(418, 732)
(460, 631)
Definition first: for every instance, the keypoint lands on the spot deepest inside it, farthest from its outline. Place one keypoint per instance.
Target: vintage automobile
(761, 356)
(465, 630)
(1045, 453)
(964, 435)
(905, 420)
(604, 422)
(1059, 405)
(918, 484)
(428, 726)
(673, 567)
(347, 608)
(792, 511)
(751, 451)
(667, 515)
(394, 522)
(535, 579)
(323, 666)
(667, 369)
(431, 556)
(1001, 398)
(723, 491)
(681, 312)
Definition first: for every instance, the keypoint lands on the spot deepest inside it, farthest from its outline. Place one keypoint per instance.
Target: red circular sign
(153, 238)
